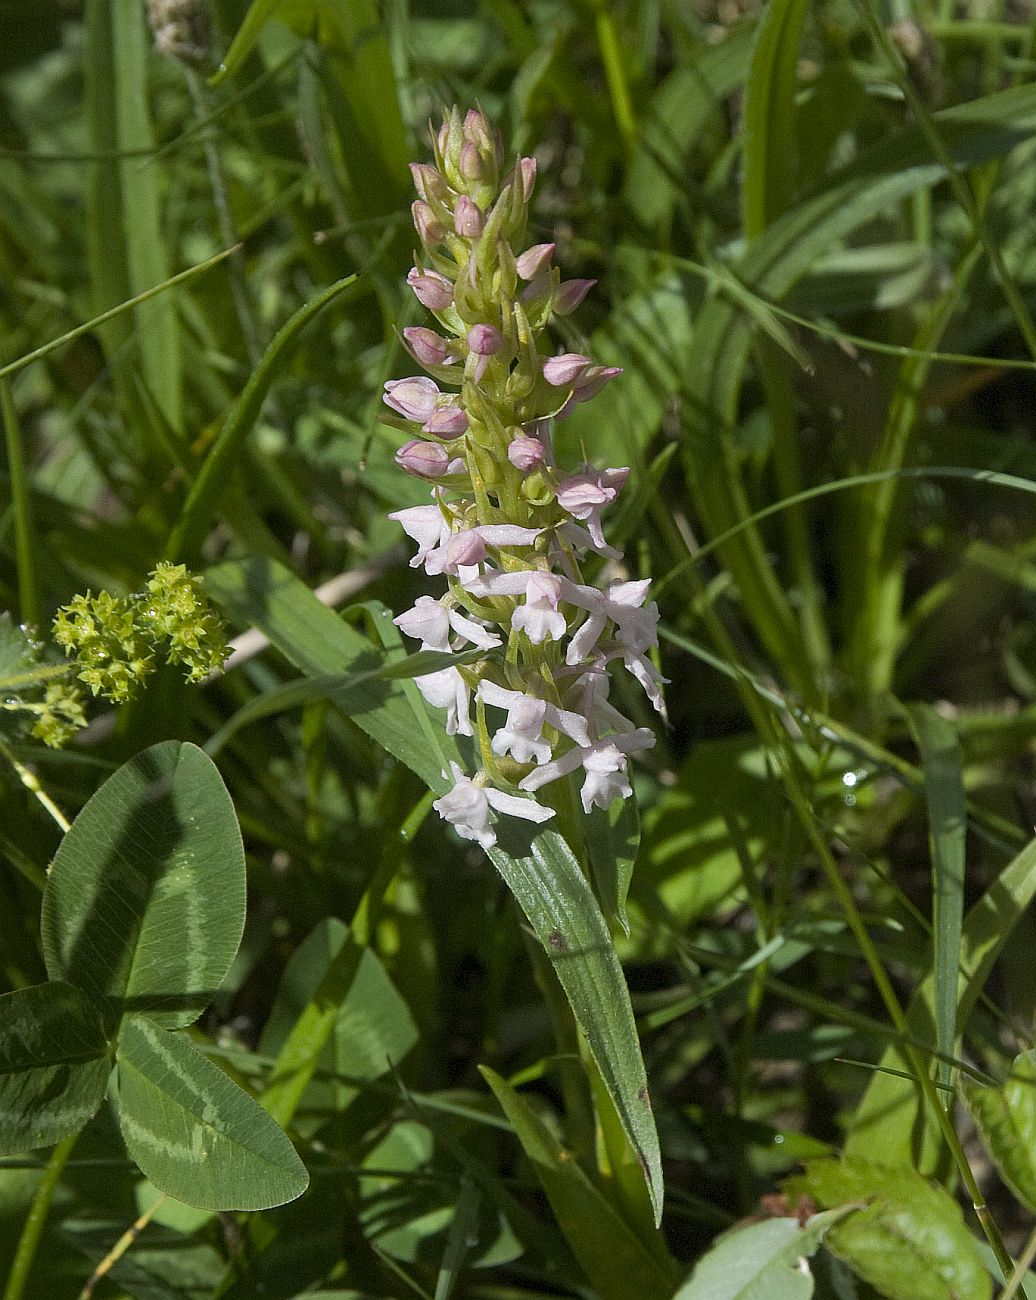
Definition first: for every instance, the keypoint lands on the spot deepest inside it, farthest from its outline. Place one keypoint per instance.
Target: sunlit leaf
(145, 901)
(194, 1133)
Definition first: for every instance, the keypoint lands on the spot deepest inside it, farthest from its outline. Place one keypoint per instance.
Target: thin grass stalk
(21, 503)
(788, 470)
(221, 203)
(918, 1066)
(615, 75)
(121, 1246)
(90, 326)
(32, 1232)
(875, 568)
(1016, 1281)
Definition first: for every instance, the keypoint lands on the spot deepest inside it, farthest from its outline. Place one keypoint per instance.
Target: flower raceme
(508, 529)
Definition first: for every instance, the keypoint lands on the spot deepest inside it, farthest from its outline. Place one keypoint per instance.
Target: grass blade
(28, 593)
(96, 322)
(767, 158)
(617, 1264)
(892, 1115)
(947, 819)
(559, 904)
(260, 592)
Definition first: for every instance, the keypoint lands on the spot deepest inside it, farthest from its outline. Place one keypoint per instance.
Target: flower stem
(36, 1218)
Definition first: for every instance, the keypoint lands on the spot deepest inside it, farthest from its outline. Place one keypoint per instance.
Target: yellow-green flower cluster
(60, 715)
(33, 688)
(115, 639)
(176, 609)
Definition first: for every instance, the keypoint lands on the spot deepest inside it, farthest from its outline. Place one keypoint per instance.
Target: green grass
(816, 265)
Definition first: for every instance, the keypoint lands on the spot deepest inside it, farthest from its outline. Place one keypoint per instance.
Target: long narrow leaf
(259, 592)
(769, 120)
(947, 822)
(615, 1261)
(553, 893)
(891, 1116)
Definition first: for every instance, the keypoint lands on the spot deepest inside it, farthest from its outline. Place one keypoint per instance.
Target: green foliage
(908, 1237)
(54, 1065)
(618, 1265)
(761, 1261)
(193, 1131)
(1006, 1118)
(155, 853)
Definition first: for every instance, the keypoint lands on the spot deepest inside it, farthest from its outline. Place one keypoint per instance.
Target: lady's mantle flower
(507, 529)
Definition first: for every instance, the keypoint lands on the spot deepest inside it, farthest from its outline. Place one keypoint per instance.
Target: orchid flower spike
(516, 538)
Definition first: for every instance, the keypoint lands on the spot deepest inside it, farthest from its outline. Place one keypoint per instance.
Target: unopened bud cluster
(508, 528)
(115, 639)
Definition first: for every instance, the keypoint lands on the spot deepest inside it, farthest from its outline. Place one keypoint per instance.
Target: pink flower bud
(431, 289)
(465, 548)
(593, 381)
(467, 218)
(429, 182)
(472, 167)
(447, 422)
(526, 453)
(588, 386)
(537, 289)
(477, 129)
(427, 347)
(430, 229)
(535, 260)
(413, 398)
(485, 340)
(565, 369)
(423, 459)
(527, 171)
(570, 294)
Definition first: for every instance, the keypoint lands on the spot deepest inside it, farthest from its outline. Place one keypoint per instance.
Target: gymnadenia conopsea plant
(508, 529)
(535, 597)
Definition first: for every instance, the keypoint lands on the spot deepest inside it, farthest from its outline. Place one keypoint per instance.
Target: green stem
(875, 595)
(36, 1218)
(781, 401)
(615, 75)
(28, 593)
(97, 321)
(1016, 1281)
(236, 269)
